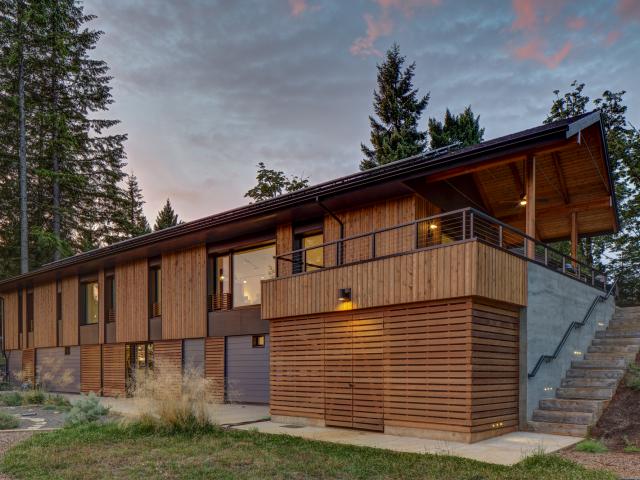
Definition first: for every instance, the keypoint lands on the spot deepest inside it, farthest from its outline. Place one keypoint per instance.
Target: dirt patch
(626, 465)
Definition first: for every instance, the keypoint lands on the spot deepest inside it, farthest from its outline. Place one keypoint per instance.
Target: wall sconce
(548, 389)
(577, 353)
(433, 226)
(344, 294)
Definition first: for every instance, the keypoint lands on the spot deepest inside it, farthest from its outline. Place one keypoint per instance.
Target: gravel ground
(626, 465)
(7, 440)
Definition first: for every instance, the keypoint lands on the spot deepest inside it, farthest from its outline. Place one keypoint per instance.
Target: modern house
(415, 298)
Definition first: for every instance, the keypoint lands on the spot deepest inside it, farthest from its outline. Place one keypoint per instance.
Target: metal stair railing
(574, 325)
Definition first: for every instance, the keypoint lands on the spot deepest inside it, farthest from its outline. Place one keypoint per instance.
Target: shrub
(8, 421)
(87, 409)
(629, 446)
(11, 399)
(591, 445)
(33, 397)
(57, 401)
(633, 377)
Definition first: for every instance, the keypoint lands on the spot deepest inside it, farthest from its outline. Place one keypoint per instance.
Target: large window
(29, 311)
(220, 293)
(89, 297)
(250, 267)
(312, 258)
(155, 291)
(110, 298)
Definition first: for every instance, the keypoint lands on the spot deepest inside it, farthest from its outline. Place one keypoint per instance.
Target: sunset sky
(207, 89)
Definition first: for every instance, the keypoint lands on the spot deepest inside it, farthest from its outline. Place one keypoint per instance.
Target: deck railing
(434, 231)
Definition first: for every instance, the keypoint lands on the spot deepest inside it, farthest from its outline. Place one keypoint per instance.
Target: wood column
(530, 212)
(574, 237)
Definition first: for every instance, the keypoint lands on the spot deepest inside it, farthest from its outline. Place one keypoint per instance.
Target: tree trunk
(22, 153)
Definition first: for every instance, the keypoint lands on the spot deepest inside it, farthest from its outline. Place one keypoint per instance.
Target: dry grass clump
(172, 401)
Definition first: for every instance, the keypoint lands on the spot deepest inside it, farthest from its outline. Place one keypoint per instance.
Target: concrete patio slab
(504, 450)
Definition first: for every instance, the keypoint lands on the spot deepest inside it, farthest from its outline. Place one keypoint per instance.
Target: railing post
(340, 246)
(464, 225)
(373, 245)
(564, 265)
(417, 237)
(471, 225)
(277, 267)
(500, 234)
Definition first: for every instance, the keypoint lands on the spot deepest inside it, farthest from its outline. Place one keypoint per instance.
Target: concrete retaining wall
(554, 301)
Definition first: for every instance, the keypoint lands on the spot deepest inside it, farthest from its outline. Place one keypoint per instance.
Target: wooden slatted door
(354, 346)
(368, 368)
(91, 369)
(338, 368)
(28, 365)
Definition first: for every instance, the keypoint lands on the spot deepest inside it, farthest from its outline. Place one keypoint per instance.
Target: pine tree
(463, 129)
(272, 183)
(395, 134)
(129, 219)
(166, 218)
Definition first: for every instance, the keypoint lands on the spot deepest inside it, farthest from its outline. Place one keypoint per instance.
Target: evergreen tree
(272, 183)
(166, 218)
(395, 134)
(129, 219)
(463, 129)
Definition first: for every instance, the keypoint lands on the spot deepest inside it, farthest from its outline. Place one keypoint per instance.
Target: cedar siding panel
(214, 354)
(284, 244)
(184, 294)
(11, 321)
(132, 294)
(113, 370)
(70, 311)
(44, 315)
(90, 369)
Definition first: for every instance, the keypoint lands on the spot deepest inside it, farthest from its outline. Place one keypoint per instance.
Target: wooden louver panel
(28, 366)
(44, 318)
(167, 358)
(11, 321)
(132, 299)
(70, 311)
(338, 377)
(91, 369)
(214, 367)
(113, 370)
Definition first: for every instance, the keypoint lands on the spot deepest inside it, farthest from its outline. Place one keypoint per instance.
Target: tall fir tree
(167, 217)
(129, 219)
(463, 129)
(394, 133)
(272, 183)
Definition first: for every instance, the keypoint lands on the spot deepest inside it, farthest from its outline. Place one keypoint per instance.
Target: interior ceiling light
(523, 200)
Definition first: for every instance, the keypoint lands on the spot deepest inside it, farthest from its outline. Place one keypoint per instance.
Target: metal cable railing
(433, 231)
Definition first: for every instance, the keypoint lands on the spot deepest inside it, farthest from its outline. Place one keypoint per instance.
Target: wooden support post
(574, 238)
(530, 213)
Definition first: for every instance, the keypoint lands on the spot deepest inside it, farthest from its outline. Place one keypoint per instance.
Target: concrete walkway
(504, 450)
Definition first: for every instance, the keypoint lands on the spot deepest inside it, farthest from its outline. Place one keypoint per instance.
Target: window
(110, 299)
(258, 341)
(29, 311)
(138, 361)
(67, 350)
(311, 258)
(155, 291)
(89, 299)
(220, 290)
(20, 312)
(250, 267)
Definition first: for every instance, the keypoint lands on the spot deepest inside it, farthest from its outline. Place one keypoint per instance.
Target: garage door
(58, 369)
(247, 369)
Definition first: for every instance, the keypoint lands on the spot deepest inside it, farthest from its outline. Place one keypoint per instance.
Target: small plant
(629, 446)
(57, 402)
(633, 377)
(11, 399)
(8, 421)
(591, 445)
(88, 409)
(33, 397)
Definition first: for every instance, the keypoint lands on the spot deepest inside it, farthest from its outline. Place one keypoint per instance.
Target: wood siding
(113, 370)
(214, 367)
(11, 321)
(132, 297)
(167, 358)
(184, 294)
(459, 270)
(44, 315)
(284, 244)
(70, 311)
(29, 365)
(444, 366)
(101, 303)
(91, 369)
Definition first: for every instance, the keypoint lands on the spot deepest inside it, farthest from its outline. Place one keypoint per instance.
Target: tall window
(110, 298)
(250, 267)
(220, 293)
(155, 291)
(1, 317)
(312, 258)
(20, 312)
(89, 303)
(58, 312)
(29, 311)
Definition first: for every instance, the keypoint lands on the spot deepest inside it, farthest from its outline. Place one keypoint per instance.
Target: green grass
(34, 397)
(8, 421)
(591, 445)
(112, 451)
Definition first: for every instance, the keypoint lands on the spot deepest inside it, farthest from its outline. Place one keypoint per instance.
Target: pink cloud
(383, 25)
(576, 23)
(526, 17)
(629, 9)
(612, 37)
(533, 50)
(298, 7)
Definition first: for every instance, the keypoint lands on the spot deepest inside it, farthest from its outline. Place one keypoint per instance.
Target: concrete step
(613, 348)
(593, 406)
(563, 416)
(614, 334)
(616, 373)
(585, 393)
(600, 363)
(589, 382)
(572, 430)
(609, 357)
(616, 341)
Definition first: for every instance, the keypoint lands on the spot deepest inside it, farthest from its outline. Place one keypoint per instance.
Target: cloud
(298, 7)
(576, 23)
(384, 24)
(526, 18)
(629, 9)
(612, 37)
(534, 50)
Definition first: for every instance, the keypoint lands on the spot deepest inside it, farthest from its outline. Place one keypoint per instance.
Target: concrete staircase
(590, 383)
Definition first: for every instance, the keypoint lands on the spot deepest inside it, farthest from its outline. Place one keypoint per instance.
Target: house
(413, 298)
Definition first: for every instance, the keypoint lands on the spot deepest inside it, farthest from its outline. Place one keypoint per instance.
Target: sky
(207, 89)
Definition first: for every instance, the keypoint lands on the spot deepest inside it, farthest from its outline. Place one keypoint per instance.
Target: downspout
(335, 217)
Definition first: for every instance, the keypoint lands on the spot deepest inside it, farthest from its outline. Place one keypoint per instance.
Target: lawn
(112, 451)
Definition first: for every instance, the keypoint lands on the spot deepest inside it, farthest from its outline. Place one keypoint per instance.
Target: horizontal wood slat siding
(167, 358)
(11, 321)
(132, 297)
(29, 365)
(91, 369)
(214, 367)
(447, 366)
(44, 315)
(184, 294)
(113, 370)
(458, 270)
(70, 310)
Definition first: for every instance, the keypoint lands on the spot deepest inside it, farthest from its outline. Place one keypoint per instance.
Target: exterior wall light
(344, 294)
(577, 352)
(433, 226)
(548, 389)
